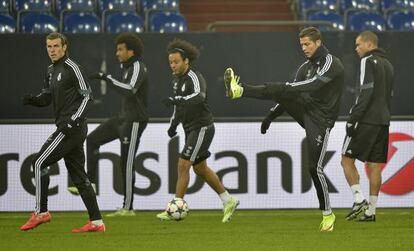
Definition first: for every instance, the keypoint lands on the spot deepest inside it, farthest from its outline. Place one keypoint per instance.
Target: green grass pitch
(202, 230)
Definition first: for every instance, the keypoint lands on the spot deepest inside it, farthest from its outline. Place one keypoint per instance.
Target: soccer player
(192, 110)
(131, 121)
(67, 89)
(367, 127)
(312, 99)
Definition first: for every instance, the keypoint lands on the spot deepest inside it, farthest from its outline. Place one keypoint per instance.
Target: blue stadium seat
(116, 22)
(397, 4)
(316, 5)
(33, 5)
(401, 20)
(363, 20)
(126, 5)
(163, 22)
(4, 6)
(37, 22)
(80, 22)
(76, 5)
(151, 5)
(147, 5)
(371, 5)
(336, 19)
(7, 23)
(171, 4)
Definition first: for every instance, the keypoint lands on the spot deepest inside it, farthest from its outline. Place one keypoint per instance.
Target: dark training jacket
(67, 89)
(134, 90)
(319, 82)
(373, 103)
(192, 110)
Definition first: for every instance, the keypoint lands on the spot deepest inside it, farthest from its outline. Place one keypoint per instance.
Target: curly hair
(132, 42)
(186, 49)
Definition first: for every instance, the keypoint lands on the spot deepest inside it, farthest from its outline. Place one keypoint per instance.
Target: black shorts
(368, 144)
(197, 143)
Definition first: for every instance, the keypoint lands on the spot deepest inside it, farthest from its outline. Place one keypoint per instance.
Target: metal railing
(213, 25)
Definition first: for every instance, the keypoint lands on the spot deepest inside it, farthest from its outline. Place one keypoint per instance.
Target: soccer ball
(177, 209)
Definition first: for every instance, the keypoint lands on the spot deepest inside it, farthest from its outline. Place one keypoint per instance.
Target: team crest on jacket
(308, 74)
(125, 140)
(318, 140)
(126, 75)
(59, 77)
(183, 88)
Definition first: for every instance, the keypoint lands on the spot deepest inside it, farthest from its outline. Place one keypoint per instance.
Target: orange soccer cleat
(35, 220)
(90, 227)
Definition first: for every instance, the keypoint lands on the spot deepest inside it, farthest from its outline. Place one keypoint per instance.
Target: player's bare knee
(183, 165)
(199, 170)
(346, 162)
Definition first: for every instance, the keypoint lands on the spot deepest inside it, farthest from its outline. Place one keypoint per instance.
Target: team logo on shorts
(188, 151)
(398, 172)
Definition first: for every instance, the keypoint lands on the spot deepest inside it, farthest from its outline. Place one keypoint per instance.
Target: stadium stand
(22, 5)
(331, 16)
(201, 13)
(7, 23)
(125, 5)
(397, 4)
(4, 6)
(402, 20)
(364, 20)
(371, 5)
(75, 5)
(120, 21)
(37, 22)
(148, 5)
(163, 22)
(197, 15)
(85, 15)
(308, 6)
(80, 22)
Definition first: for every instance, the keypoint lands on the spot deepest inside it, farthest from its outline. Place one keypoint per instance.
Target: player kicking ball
(192, 111)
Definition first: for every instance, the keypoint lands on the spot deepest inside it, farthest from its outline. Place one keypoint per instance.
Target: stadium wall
(257, 57)
(263, 171)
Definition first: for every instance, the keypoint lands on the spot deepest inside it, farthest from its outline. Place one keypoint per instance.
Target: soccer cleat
(231, 83)
(35, 220)
(357, 208)
(367, 218)
(164, 216)
(229, 208)
(122, 212)
(328, 222)
(90, 227)
(74, 190)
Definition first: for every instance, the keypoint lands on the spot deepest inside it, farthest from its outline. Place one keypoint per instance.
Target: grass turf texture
(203, 230)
